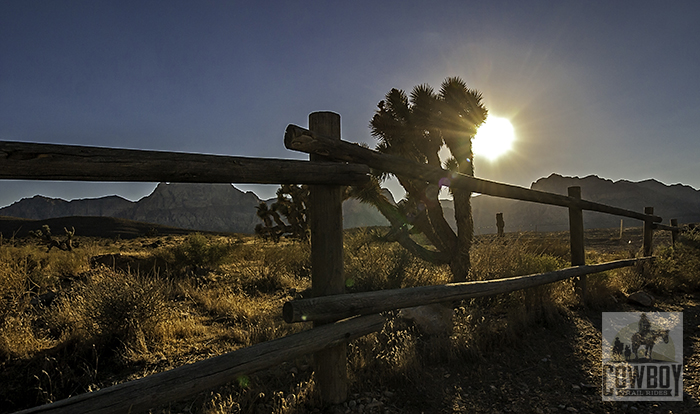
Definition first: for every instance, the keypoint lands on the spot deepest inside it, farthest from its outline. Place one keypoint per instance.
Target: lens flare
(494, 138)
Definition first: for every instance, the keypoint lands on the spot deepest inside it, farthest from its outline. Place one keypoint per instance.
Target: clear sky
(610, 88)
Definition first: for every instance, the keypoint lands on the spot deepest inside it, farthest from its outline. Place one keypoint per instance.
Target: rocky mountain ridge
(203, 207)
(224, 208)
(669, 201)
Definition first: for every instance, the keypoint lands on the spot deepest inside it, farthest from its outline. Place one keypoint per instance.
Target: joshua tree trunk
(415, 127)
(461, 263)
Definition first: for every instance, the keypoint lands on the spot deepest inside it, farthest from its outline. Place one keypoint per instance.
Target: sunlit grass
(73, 328)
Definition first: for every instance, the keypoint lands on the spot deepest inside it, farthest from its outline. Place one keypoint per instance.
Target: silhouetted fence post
(621, 228)
(648, 231)
(576, 235)
(674, 233)
(326, 223)
(500, 224)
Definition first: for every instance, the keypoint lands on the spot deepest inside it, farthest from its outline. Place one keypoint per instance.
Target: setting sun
(494, 138)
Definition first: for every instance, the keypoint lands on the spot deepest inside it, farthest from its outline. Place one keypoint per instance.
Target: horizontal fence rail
(301, 139)
(343, 306)
(149, 392)
(667, 228)
(31, 161)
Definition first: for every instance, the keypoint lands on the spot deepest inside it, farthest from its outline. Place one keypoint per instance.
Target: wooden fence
(333, 163)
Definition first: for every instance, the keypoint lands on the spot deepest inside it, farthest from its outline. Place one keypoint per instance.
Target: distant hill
(669, 201)
(107, 227)
(224, 208)
(202, 207)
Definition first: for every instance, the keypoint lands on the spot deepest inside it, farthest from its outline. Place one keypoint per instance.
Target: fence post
(578, 253)
(326, 224)
(648, 232)
(674, 233)
(500, 224)
(621, 228)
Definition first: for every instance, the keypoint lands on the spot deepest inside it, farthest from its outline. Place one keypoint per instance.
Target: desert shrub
(390, 355)
(111, 309)
(13, 278)
(64, 264)
(373, 264)
(265, 267)
(19, 339)
(198, 251)
(677, 267)
(25, 272)
(496, 259)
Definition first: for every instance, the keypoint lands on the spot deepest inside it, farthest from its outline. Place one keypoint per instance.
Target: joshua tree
(291, 203)
(45, 235)
(416, 127)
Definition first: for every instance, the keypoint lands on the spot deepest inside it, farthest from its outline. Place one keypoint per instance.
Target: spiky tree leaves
(291, 203)
(416, 127)
(461, 113)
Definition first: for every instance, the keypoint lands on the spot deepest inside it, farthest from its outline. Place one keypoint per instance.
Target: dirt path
(553, 371)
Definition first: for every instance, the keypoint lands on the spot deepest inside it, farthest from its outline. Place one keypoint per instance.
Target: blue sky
(605, 88)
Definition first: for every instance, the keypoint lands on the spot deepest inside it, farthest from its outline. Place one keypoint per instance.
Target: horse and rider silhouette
(644, 336)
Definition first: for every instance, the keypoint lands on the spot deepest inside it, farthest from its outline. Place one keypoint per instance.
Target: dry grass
(69, 328)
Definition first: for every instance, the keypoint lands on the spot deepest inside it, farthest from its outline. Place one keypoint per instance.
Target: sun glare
(494, 138)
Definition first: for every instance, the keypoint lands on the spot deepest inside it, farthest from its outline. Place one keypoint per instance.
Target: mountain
(669, 201)
(40, 208)
(208, 207)
(202, 207)
(224, 208)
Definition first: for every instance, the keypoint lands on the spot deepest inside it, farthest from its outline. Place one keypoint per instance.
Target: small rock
(352, 404)
(641, 298)
(388, 394)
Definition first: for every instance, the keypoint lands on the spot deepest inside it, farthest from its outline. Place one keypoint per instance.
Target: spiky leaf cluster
(416, 127)
(292, 201)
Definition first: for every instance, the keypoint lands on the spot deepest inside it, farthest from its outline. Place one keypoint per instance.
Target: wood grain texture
(300, 139)
(327, 277)
(30, 161)
(340, 306)
(576, 236)
(180, 383)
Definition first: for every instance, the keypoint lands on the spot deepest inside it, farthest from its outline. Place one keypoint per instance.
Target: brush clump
(73, 323)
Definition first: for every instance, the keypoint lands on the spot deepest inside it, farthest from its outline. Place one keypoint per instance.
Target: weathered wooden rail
(146, 393)
(334, 163)
(368, 303)
(30, 161)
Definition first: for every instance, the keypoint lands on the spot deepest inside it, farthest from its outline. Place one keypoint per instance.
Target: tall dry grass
(69, 328)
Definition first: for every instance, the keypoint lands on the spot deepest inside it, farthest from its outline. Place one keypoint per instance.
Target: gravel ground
(554, 371)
